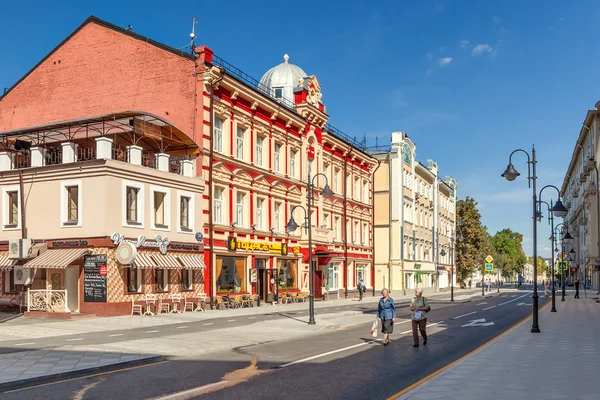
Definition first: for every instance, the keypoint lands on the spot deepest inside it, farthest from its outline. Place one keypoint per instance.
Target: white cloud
(464, 43)
(496, 20)
(445, 61)
(430, 56)
(482, 48)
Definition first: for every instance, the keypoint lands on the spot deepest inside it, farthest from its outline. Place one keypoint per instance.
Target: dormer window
(278, 93)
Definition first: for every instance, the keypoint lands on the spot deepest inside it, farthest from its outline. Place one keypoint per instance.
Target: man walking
(361, 289)
(577, 283)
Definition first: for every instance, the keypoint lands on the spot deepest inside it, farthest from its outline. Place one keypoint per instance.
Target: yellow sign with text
(277, 248)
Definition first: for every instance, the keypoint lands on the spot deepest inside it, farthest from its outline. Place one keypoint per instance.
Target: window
(259, 150)
(240, 144)
(287, 273)
(159, 210)
(355, 235)
(13, 208)
(218, 206)
(218, 135)
(326, 171)
(72, 204)
(293, 164)
(230, 274)
(260, 214)
(134, 278)
(278, 93)
(241, 199)
(356, 193)
(277, 217)
(331, 276)
(132, 207)
(335, 180)
(9, 282)
(162, 280)
(365, 193)
(184, 213)
(360, 273)
(187, 279)
(365, 235)
(325, 223)
(336, 229)
(276, 157)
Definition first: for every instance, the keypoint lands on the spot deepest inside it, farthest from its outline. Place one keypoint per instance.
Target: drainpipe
(390, 208)
(22, 205)
(373, 222)
(345, 220)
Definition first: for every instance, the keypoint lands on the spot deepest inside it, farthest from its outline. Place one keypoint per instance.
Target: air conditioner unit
(19, 249)
(22, 275)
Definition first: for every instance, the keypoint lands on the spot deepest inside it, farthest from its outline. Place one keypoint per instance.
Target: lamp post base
(535, 329)
(311, 309)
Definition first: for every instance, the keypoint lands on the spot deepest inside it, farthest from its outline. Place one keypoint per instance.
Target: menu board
(94, 278)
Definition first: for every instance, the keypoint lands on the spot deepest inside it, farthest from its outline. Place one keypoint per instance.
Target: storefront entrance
(266, 284)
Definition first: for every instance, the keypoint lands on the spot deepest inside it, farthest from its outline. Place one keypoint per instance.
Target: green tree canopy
(471, 239)
(542, 265)
(506, 247)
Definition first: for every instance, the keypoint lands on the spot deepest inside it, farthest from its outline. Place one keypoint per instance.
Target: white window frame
(277, 157)
(218, 217)
(140, 203)
(166, 208)
(365, 236)
(191, 279)
(293, 156)
(239, 143)
(5, 213)
(277, 216)
(336, 172)
(64, 203)
(219, 135)
(355, 234)
(260, 145)
(365, 192)
(325, 223)
(336, 229)
(356, 191)
(260, 213)
(240, 209)
(192, 212)
(165, 281)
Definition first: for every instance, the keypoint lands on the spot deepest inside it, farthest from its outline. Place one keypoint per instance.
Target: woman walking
(386, 312)
(419, 309)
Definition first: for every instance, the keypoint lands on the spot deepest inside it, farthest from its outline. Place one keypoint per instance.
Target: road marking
(231, 320)
(428, 325)
(74, 340)
(464, 315)
(182, 327)
(24, 344)
(514, 295)
(480, 304)
(325, 354)
(510, 301)
(152, 331)
(488, 308)
(478, 322)
(252, 318)
(210, 323)
(116, 334)
(523, 304)
(187, 394)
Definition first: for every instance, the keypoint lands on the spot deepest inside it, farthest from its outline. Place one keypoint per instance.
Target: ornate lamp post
(566, 236)
(552, 239)
(292, 226)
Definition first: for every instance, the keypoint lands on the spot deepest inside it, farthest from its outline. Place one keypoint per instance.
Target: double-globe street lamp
(452, 250)
(510, 174)
(570, 259)
(539, 217)
(292, 226)
(565, 236)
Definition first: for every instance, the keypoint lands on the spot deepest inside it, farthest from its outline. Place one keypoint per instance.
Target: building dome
(283, 78)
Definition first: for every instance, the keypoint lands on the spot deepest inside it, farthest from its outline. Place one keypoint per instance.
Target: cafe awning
(142, 261)
(56, 258)
(192, 262)
(6, 264)
(166, 262)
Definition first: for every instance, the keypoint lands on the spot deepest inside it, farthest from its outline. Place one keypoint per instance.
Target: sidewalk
(559, 363)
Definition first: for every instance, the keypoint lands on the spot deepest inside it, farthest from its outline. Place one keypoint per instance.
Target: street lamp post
(592, 161)
(292, 226)
(565, 236)
(570, 258)
(552, 238)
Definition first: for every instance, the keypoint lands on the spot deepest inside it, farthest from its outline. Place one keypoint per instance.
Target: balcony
(322, 234)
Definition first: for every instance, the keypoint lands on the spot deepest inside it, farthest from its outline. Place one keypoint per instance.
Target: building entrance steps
(558, 363)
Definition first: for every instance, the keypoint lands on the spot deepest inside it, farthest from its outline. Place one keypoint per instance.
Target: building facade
(216, 165)
(580, 192)
(415, 221)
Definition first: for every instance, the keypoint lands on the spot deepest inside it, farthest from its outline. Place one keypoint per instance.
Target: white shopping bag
(374, 328)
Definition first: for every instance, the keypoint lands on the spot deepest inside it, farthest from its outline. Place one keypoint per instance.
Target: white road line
(488, 308)
(510, 301)
(187, 394)
(231, 320)
(464, 315)
(514, 295)
(325, 354)
(24, 344)
(210, 323)
(182, 327)
(152, 331)
(480, 304)
(428, 325)
(74, 340)
(116, 334)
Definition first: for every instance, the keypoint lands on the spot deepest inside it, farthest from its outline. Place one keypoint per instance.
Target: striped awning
(143, 261)
(166, 262)
(6, 264)
(56, 258)
(192, 262)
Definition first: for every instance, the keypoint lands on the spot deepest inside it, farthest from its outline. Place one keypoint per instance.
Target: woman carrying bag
(419, 309)
(386, 312)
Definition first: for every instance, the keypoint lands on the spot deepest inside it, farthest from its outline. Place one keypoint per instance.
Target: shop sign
(70, 243)
(185, 246)
(94, 278)
(253, 276)
(233, 244)
(159, 242)
(417, 266)
(296, 249)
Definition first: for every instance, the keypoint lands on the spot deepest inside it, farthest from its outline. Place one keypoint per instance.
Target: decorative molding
(289, 124)
(274, 115)
(235, 94)
(254, 106)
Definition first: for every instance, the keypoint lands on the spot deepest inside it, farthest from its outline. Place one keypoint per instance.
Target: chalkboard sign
(94, 278)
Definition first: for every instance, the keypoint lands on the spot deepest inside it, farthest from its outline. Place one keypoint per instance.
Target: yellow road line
(439, 371)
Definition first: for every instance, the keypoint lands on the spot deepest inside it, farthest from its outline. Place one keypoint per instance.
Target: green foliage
(542, 265)
(472, 239)
(506, 247)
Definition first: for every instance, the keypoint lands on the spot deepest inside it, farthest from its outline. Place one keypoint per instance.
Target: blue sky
(469, 81)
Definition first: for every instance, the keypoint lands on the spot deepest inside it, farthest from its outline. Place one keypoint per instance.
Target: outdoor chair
(136, 308)
(163, 306)
(188, 305)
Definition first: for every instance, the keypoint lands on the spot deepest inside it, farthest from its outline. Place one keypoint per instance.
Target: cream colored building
(579, 190)
(414, 220)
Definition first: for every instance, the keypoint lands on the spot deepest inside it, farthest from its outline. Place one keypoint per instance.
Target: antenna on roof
(193, 34)
(129, 28)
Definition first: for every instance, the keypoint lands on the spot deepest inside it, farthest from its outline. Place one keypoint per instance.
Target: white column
(38, 156)
(134, 155)
(6, 161)
(104, 148)
(69, 152)
(162, 162)
(187, 168)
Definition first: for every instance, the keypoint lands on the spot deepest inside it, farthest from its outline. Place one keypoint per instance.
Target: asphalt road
(341, 364)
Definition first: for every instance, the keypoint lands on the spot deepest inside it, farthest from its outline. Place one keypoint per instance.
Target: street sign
(489, 259)
(563, 266)
(489, 267)
(478, 322)
(562, 256)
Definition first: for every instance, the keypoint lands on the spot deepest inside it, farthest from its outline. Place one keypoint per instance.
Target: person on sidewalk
(419, 307)
(546, 290)
(386, 312)
(361, 289)
(577, 283)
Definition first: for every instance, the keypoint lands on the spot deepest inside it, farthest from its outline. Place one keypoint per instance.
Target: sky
(469, 81)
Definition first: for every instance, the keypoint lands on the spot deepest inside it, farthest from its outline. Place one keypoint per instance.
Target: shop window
(288, 274)
(360, 273)
(162, 280)
(231, 274)
(239, 148)
(259, 150)
(218, 206)
(187, 279)
(9, 282)
(332, 272)
(218, 135)
(134, 280)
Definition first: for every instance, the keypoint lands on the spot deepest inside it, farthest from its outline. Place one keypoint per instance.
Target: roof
(285, 76)
(98, 21)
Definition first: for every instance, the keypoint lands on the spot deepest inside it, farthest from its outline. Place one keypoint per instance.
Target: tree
(542, 266)
(471, 239)
(506, 247)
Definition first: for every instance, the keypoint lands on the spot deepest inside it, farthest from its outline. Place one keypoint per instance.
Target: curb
(40, 380)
